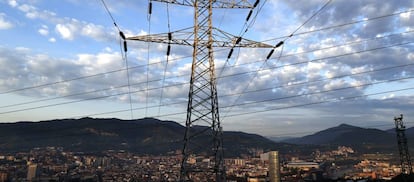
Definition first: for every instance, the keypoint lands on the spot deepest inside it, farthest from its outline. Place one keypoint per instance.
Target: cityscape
(206, 90)
(56, 164)
(92, 151)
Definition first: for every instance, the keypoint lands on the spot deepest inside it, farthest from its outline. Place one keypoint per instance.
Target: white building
(31, 171)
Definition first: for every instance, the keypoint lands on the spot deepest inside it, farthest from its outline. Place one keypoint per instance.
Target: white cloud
(22, 66)
(388, 96)
(67, 28)
(44, 30)
(13, 3)
(96, 32)
(4, 24)
(22, 50)
(405, 15)
(289, 122)
(70, 29)
(65, 31)
(32, 12)
(52, 39)
(26, 8)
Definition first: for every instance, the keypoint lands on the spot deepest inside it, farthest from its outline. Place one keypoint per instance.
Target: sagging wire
(279, 44)
(244, 30)
(148, 55)
(122, 43)
(262, 66)
(168, 56)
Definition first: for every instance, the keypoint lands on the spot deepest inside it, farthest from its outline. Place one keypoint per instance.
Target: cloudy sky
(351, 62)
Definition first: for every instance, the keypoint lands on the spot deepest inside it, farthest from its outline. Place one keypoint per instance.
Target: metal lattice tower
(406, 167)
(203, 121)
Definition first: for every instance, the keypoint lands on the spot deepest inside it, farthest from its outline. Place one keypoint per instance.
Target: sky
(345, 62)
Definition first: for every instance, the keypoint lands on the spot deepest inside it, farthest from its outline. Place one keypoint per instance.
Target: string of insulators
(123, 38)
(273, 50)
(256, 3)
(238, 40)
(249, 15)
(150, 8)
(230, 53)
(251, 10)
(169, 43)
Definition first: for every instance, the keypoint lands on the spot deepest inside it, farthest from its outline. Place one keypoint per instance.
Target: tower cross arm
(179, 37)
(240, 4)
(186, 37)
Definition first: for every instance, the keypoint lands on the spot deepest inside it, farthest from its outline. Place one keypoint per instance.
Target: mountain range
(145, 136)
(153, 136)
(363, 139)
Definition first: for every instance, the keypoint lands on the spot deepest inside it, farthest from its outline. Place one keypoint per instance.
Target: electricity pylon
(406, 167)
(203, 120)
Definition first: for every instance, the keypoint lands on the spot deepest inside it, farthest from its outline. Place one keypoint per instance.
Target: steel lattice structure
(406, 166)
(203, 120)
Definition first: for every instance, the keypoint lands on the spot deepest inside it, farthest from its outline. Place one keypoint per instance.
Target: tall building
(3, 176)
(274, 167)
(31, 171)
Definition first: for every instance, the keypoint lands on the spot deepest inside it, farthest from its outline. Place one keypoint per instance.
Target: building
(3, 176)
(31, 171)
(274, 166)
(272, 159)
(306, 166)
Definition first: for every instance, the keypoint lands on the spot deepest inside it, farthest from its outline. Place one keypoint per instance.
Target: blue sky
(352, 49)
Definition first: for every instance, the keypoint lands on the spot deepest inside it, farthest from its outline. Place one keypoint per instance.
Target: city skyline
(351, 63)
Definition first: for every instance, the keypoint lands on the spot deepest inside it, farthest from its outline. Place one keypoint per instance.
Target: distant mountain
(146, 136)
(364, 139)
(408, 131)
(279, 139)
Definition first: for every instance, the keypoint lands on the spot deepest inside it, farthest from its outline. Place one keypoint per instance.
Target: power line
(340, 25)
(230, 106)
(329, 57)
(150, 10)
(82, 100)
(129, 85)
(281, 52)
(148, 52)
(310, 18)
(319, 49)
(336, 56)
(245, 27)
(271, 68)
(94, 75)
(280, 86)
(319, 92)
(314, 60)
(168, 55)
(83, 77)
(183, 57)
(307, 104)
(124, 54)
(348, 43)
(221, 77)
(110, 15)
(322, 102)
(257, 90)
(320, 80)
(298, 28)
